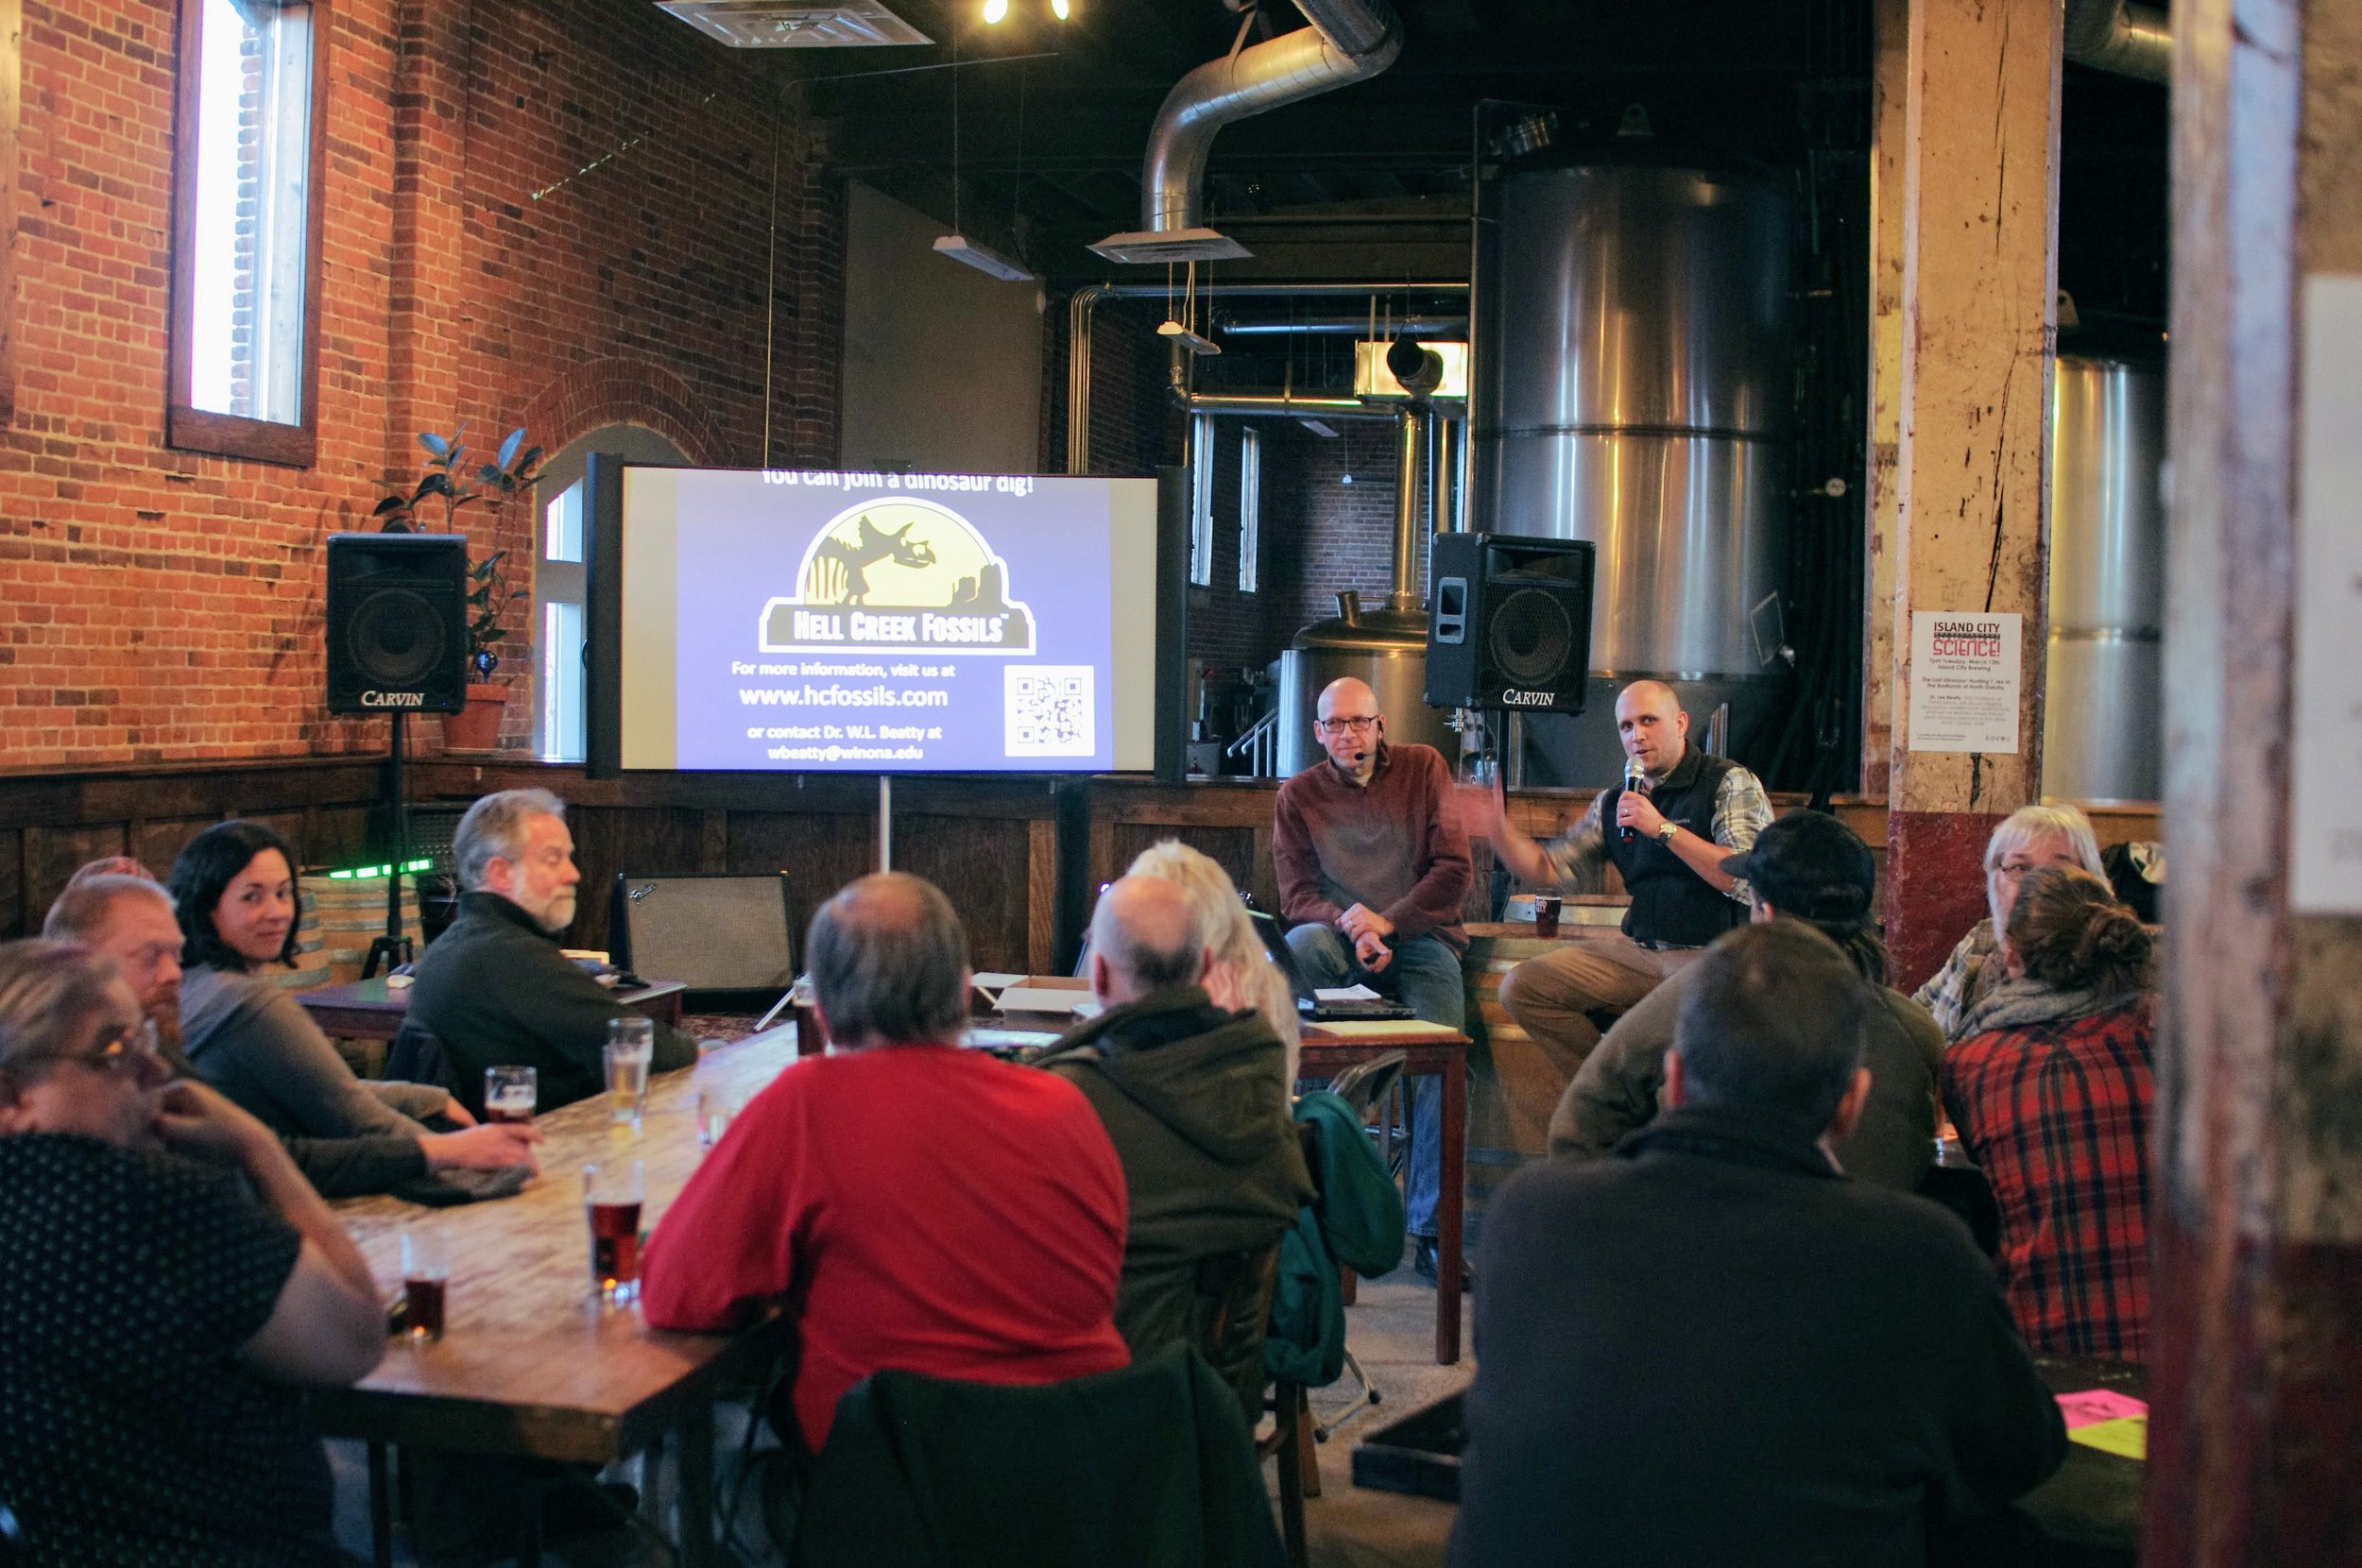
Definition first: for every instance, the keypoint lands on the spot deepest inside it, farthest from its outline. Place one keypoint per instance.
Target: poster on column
(1964, 681)
(2325, 810)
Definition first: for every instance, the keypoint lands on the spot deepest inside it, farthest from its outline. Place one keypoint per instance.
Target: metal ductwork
(1349, 41)
(2116, 35)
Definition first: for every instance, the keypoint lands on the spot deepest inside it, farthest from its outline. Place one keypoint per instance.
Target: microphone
(1635, 778)
(1360, 757)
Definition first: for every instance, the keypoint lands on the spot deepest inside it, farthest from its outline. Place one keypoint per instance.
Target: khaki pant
(1554, 998)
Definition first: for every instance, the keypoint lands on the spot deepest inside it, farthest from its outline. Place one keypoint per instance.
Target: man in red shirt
(1373, 869)
(919, 1206)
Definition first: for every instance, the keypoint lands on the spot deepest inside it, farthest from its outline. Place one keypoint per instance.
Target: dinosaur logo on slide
(899, 574)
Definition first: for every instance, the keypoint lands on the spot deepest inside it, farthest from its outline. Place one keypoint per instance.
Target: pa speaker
(1511, 626)
(397, 623)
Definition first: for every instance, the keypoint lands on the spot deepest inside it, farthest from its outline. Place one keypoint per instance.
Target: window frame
(188, 428)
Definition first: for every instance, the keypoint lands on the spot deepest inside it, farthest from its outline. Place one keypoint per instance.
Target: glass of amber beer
(510, 1093)
(612, 1193)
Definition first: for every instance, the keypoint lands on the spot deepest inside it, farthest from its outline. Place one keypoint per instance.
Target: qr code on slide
(1048, 710)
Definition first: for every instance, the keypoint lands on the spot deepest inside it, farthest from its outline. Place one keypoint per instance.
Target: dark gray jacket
(1615, 1092)
(497, 991)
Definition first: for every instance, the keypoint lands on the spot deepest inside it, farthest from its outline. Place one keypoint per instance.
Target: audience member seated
(168, 1282)
(1194, 1095)
(1710, 1349)
(1242, 974)
(233, 889)
(912, 1205)
(2051, 1089)
(495, 988)
(1810, 867)
(2028, 839)
(130, 920)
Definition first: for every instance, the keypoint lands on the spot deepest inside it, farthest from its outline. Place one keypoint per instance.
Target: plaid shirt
(1741, 810)
(2056, 1114)
(1965, 978)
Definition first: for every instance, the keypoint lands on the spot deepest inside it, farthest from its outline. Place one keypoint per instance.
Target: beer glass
(1545, 907)
(510, 1093)
(612, 1192)
(630, 1046)
(425, 1278)
(715, 1107)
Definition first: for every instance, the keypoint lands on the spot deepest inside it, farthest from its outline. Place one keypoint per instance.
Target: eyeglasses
(125, 1053)
(1339, 726)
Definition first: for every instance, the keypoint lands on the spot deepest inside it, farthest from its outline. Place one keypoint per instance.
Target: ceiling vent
(796, 23)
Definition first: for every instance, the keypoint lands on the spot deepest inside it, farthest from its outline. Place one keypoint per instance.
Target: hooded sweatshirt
(1195, 1100)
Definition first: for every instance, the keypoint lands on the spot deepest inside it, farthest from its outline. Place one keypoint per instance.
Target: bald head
(889, 962)
(1350, 726)
(1146, 934)
(1650, 723)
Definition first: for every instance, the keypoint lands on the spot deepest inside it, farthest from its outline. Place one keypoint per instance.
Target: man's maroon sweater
(1393, 845)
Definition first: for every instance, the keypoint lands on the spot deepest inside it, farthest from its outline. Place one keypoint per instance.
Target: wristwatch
(1666, 830)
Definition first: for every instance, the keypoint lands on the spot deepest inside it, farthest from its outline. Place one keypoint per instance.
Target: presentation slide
(870, 622)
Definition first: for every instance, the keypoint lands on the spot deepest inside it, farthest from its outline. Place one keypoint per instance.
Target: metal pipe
(1348, 41)
(1083, 308)
(2114, 35)
(1343, 326)
(1405, 598)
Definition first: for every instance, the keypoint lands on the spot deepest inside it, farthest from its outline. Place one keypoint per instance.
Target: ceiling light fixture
(995, 10)
(796, 23)
(983, 258)
(1058, 10)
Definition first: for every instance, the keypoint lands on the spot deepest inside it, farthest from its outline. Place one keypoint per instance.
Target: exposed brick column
(2256, 1451)
(1981, 182)
(429, 288)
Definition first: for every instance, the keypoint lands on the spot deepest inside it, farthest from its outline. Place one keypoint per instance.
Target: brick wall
(165, 606)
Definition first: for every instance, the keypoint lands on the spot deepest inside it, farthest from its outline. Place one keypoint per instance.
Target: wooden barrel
(341, 917)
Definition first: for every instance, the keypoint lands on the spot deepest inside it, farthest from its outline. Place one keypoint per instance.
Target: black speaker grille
(395, 637)
(1532, 637)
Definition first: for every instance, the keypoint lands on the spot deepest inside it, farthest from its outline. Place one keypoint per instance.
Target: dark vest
(1669, 901)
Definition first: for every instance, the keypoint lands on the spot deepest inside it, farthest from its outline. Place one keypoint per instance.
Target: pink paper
(2098, 1404)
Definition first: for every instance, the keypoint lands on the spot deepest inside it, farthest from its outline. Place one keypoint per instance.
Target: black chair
(416, 1056)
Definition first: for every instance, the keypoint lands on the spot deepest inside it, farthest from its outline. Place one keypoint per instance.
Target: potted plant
(488, 594)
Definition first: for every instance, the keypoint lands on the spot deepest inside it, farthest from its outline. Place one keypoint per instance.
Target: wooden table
(531, 1362)
(367, 1010)
(1434, 1051)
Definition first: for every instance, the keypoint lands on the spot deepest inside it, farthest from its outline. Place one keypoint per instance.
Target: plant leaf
(508, 447)
(435, 443)
(391, 504)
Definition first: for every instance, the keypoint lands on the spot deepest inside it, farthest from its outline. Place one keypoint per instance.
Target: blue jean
(1425, 977)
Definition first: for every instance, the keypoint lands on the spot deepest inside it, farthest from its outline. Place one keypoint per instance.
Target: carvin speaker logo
(898, 573)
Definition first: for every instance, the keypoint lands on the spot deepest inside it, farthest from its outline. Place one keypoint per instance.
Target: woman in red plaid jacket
(2049, 1087)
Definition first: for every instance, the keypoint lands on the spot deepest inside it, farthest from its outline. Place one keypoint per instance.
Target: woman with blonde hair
(2050, 1088)
(2028, 839)
(1243, 976)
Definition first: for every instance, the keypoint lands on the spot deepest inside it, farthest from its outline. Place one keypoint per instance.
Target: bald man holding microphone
(1666, 828)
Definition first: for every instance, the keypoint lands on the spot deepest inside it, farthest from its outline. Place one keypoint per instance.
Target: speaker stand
(885, 822)
(393, 949)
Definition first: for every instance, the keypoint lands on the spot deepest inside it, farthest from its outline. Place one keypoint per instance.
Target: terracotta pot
(477, 727)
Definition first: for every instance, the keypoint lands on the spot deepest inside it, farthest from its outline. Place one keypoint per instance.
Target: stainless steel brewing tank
(1386, 649)
(2104, 684)
(1632, 390)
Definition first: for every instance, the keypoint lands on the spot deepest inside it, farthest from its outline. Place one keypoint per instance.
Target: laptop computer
(1308, 1004)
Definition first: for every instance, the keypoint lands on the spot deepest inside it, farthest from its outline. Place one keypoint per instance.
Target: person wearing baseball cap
(1806, 866)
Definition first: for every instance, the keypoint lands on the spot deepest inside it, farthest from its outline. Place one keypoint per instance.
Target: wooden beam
(1979, 195)
(1888, 99)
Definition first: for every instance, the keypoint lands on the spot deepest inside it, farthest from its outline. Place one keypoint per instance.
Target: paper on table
(2091, 1405)
(1345, 994)
(1032, 998)
(995, 981)
(1373, 1029)
(2128, 1437)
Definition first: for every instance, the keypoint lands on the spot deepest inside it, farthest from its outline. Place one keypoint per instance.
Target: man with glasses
(1372, 870)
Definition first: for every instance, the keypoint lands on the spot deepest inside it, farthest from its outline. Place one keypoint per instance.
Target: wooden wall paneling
(1266, 888)
(157, 843)
(819, 854)
(1041, 895)
(336, 835)
(12, 885)
(52, 855)
(1233, 848)
(634, 840)
(713, 848)
(982, 866)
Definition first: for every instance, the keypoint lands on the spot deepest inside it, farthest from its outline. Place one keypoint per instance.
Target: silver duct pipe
(2116, 35)
(1344, 326)
(1081, 311)
(1407, 535)
(1349, 41)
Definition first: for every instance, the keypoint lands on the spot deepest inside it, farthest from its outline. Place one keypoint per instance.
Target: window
(560, 586)
(247, 230)
(1202, 500)
(1250, 506)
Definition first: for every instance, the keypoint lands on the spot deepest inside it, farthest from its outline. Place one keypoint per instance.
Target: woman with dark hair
(233, 889)
(2051, 1089)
